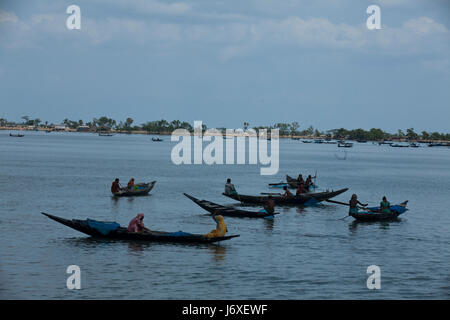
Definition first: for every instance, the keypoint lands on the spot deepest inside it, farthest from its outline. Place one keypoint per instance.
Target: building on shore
(83, 129)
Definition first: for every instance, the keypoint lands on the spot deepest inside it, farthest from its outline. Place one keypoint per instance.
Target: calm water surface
(305, 253)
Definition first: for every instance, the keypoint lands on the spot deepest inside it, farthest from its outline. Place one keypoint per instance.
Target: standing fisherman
(354, 204)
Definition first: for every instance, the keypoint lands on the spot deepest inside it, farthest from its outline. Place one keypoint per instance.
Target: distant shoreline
(142, 132)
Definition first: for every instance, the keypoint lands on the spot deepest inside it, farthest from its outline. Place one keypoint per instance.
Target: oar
(277, 184)
(315, 176)
(338, 202)
(345, 204)
(270, 193)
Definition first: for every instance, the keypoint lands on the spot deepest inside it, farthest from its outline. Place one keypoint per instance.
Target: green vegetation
(285, 129)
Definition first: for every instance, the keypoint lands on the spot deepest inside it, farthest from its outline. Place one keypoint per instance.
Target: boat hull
(293, 183)
(396, 211)
(123, 234)
(294, 200)
(141, 192)
(213, 208)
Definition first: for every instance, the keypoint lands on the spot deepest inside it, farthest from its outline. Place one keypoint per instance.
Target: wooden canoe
(372, 215)
(121, 233)
(141, 190)
(294, 200)
(213, 208)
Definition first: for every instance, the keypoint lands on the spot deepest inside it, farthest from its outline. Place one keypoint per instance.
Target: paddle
(346, 204)
(277, 184)
(270, 193)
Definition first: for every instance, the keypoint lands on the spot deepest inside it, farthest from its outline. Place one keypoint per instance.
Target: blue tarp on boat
(395, 208)
(103, 227)
(178, 234)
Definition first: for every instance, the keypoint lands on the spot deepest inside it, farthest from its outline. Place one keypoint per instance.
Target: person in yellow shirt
(221, 227)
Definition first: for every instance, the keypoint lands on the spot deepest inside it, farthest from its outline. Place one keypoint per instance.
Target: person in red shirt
(301, 189)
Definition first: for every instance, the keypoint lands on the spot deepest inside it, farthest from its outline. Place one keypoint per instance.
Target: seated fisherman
(229, 188)
(137, 224)
(301, 189)
(115, 187)
(221, 227)
(287, 193)
(308, 182)
(384, 206)
(270, 205)
(354, 204)
(130, 184)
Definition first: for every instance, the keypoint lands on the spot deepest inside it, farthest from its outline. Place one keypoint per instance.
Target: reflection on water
(300, 210)
(137, 246)
(269, 223)
(218, 251)
(382, 225)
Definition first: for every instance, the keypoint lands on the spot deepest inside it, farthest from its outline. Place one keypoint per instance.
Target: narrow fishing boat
(140, 189)
(373, 214)
(17, 135)
(293, 183)
(345, 145)
(113, 230)
(279, 185)
(439, 144)
(303, 199)
(398, 145)
(229, 211)
(157, 139)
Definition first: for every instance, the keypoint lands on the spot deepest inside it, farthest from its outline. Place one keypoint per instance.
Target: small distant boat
(439, 145)
(293, 183)
(213, 208)
(17, 135)
(398, 145)
(345, 144)
(373, 214)
(361, 141)
(330, 142)
(140, 189)
(306, 141)
(113, 230)
(157, 139)
(319, 141)
(295, 138)
(414, 145)
(279, 185)
(105, 134)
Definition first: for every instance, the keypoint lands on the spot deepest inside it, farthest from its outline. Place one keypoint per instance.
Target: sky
(226, 62)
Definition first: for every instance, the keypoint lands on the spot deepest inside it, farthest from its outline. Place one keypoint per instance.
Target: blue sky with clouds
(226, 62)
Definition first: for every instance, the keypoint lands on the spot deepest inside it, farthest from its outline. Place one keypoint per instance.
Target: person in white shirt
(229, 187)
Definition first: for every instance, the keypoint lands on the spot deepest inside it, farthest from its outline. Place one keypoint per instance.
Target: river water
(304, 253)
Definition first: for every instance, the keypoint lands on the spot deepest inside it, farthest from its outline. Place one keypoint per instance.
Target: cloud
(438, 65)
(424, 26)
(151, 6)
(7, 17)
(231, 35)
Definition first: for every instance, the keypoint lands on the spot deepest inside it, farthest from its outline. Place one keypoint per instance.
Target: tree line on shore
(285, 129)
